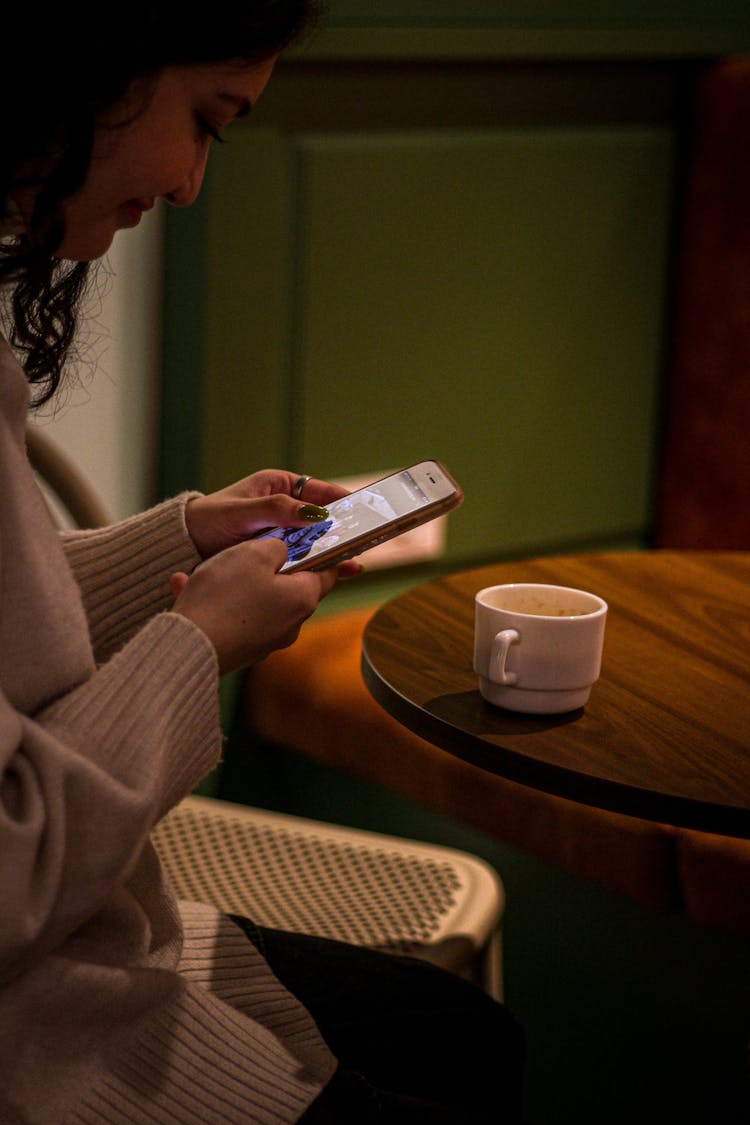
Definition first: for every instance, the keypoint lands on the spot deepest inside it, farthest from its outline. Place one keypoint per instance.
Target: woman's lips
(132, 211)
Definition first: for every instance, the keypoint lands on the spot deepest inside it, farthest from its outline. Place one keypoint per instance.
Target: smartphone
(370, 516)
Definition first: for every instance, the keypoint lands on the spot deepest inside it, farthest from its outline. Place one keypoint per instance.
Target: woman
(116, 1003)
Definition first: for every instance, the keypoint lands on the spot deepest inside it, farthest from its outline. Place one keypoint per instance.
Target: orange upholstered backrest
(704, 480)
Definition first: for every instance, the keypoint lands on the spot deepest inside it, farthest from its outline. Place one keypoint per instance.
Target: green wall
(539, 13)
(465, 258)
(447, 230)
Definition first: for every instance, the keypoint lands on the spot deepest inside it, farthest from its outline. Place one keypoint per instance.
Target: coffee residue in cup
(542, 609)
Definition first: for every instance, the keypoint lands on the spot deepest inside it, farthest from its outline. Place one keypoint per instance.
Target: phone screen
(367, 510)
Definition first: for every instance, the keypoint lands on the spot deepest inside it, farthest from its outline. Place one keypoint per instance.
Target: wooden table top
(666, 732)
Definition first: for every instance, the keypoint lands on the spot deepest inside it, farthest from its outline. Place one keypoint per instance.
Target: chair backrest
(70, 497)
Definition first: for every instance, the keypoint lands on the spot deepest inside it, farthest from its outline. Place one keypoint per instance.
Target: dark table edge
(681, 812)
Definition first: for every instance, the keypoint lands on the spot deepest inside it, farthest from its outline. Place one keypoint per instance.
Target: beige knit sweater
(116, 1004)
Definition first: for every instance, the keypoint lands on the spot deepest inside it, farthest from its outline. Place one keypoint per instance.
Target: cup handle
(499, 656)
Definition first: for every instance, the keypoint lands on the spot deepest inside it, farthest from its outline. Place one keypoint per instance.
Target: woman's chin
(88, 247)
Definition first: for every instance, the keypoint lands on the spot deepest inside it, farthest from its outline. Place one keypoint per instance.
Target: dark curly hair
(60, 71)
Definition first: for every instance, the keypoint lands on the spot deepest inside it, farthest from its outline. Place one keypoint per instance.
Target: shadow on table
(467, 710)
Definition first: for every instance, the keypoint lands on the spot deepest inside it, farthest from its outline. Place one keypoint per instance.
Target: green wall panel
(468, 261)
(183, 367)
(248, 312)
(530, 13)
(491, 298)
(494, 300)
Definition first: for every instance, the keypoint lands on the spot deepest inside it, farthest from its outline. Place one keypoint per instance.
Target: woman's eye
(208, 130)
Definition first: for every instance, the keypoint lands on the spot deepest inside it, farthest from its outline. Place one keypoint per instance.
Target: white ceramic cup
(538, 648)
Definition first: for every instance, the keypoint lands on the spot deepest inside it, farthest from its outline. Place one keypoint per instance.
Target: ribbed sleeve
(247, 1077)
(150, 714)
(123, 570)
(215, 955)
(260, 1071)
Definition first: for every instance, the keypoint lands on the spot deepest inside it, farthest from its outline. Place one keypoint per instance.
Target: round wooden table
(666, 732)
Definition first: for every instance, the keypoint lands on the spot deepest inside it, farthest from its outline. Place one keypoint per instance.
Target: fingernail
(312, 513)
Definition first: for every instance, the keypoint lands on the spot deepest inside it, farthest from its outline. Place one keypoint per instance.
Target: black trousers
(416, 1045)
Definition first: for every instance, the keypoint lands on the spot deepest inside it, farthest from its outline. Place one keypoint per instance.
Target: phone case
(396, 527)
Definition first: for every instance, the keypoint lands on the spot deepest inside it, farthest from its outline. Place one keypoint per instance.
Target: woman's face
(152, 144)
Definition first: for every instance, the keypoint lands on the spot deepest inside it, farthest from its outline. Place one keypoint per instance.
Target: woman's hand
(260, 501)
(236, 596)
(244, 606)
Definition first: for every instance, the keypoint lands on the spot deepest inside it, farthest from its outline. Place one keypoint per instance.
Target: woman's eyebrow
(242, 105)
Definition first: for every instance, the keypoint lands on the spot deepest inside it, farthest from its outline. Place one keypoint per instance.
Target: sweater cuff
(123, 570)
(150, 716)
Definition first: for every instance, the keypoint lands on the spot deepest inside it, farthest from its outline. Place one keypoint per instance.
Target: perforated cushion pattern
(298, 875)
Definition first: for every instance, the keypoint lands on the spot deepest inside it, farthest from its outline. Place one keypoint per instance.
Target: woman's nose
(188, 190)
